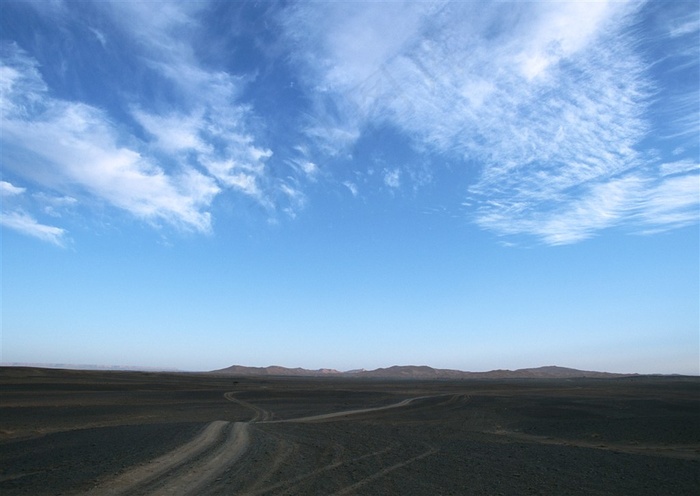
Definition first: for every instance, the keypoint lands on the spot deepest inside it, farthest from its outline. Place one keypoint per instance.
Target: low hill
(274, 370)
(416, 372)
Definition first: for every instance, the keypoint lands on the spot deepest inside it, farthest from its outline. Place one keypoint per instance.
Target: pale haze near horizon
(470, 185)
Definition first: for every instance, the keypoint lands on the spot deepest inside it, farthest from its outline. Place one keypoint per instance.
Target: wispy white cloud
(684, 25)
(14, 217)
(646, 204)
(549, 98)
(26, 224)
(352, 187)
(296, 200)
(600, 206)
(55, 206)
(679, 167)
(211, 141)
(309, 168)
(79, 147)
(548, 103)
(392, 178)
(340, 46)
(8, 189)
(676, 28)
(174, 133)
(100, 36)
(674, 202)
(196, 141)
(207, 121)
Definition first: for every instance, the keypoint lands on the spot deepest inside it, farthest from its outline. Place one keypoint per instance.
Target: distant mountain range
(416, 372)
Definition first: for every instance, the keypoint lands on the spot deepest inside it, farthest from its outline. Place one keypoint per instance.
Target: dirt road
(348, 413)
(259, 414)
(194, 465)
(185, 469)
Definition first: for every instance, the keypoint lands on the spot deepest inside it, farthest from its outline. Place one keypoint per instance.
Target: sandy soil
(104, 433)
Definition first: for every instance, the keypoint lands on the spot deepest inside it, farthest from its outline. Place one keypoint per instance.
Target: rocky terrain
(96, 432)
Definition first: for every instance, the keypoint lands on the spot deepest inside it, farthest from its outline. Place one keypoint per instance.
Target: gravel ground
(65, 432)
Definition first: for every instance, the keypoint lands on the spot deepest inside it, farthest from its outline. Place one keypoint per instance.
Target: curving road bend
(191, 467)
(348, 413)
(259, 414)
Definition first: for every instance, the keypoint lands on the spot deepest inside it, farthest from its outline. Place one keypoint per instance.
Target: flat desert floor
(132, 433)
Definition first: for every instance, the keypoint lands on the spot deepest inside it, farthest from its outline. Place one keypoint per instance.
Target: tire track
(203, 472)
(347, 413)
(285, 450)
(143, 474)
(190, 467)
(259, 414)
(350, 489)
(289, 484)
(684, 452)
(183, 469)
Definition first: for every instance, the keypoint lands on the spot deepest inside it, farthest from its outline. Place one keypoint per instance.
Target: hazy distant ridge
(416, 372)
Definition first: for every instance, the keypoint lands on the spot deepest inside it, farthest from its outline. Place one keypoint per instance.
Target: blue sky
(470, 185)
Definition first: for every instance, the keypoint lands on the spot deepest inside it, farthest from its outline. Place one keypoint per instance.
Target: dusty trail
(683, 452)
(184, 469)
(381, 473)
(196, 464)
(203, 472)
(347, 413)
(259, 414)
(289, 484)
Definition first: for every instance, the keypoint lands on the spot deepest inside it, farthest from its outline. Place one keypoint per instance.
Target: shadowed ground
(72, 432)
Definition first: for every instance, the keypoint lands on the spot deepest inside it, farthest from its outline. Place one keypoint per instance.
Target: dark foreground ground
(70, 432)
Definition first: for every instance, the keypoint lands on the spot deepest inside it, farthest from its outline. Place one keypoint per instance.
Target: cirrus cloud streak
(548, 101)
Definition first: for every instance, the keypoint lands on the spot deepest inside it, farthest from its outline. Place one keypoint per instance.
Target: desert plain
(74, 432)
